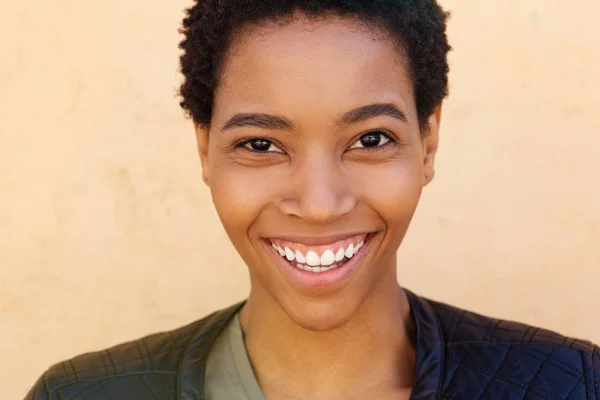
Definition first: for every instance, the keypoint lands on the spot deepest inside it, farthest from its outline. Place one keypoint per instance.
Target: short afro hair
(209, 26)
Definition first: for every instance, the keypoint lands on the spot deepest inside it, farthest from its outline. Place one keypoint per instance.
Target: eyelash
(384, 132)
(242, 145)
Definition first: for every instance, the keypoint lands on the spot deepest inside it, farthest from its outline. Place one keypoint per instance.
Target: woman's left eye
(261, 145)
(371, 139)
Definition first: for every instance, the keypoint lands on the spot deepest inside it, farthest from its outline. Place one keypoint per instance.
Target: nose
(320, 192)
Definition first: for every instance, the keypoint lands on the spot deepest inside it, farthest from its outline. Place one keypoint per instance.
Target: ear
(430, 141)
(202, 140)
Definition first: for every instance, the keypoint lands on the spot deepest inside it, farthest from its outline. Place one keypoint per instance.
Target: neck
(371, 352)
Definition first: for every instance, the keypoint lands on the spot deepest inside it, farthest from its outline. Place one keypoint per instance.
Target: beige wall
(107, 233)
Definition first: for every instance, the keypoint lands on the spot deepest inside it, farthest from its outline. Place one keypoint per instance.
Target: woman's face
(314, 150)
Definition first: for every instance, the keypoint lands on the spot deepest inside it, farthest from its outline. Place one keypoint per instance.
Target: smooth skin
(283, 158)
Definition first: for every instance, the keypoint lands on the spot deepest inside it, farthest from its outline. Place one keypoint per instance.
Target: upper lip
(317, 240)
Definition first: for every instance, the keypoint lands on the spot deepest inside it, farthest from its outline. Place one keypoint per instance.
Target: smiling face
(316, 164)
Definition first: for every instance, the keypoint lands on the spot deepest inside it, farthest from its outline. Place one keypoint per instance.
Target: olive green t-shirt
(229, 374)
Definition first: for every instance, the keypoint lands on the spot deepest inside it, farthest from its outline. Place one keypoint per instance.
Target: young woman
(317, 124)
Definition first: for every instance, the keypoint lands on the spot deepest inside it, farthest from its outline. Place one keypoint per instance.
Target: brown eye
(261, 145)
(371, 139)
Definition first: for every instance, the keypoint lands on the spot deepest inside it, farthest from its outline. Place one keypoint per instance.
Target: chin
(320, 315)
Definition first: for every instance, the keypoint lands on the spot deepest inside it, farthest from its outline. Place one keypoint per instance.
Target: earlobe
(430, 145)
(202, 141)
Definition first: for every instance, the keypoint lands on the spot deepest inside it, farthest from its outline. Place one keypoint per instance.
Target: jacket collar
(429, 351)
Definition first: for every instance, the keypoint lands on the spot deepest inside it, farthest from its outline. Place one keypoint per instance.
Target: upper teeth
(300, 257)
(290, 255)
(311, 258)
(327, 258)
(350, 250)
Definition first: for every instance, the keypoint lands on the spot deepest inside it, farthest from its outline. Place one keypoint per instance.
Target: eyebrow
(354, 116)
(364, 113)
(259, 120)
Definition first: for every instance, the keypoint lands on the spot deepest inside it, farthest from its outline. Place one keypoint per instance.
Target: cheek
(393, 191)
(239, 195)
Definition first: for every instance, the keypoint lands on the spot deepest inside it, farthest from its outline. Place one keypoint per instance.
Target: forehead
(312, 64)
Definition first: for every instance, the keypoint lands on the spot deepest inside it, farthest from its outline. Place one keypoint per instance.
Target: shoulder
(144, 368)
(504, 355)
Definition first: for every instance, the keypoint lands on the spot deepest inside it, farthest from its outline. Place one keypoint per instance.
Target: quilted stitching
(475, 357)
(140, 386)
(488, 358)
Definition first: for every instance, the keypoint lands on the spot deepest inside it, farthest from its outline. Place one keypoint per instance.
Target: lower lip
(333, 277)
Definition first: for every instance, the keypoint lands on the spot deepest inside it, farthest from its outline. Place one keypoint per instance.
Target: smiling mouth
(322, 258)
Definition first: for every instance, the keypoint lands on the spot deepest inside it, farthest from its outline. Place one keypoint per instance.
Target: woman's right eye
(261, 145)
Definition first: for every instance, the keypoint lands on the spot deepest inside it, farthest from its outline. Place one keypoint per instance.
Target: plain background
(107, 232)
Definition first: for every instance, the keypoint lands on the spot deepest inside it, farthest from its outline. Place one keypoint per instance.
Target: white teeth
(350, 251)
(339, 256)
(289, 254)
(327, 258)
(300, 257)
(313, 259)
(312, 262)
(314, 269)
(360, 245)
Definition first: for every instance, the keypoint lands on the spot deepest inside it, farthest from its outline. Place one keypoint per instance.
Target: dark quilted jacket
(460, 355)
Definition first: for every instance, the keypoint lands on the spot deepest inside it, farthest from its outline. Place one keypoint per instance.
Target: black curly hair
(208, 28)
